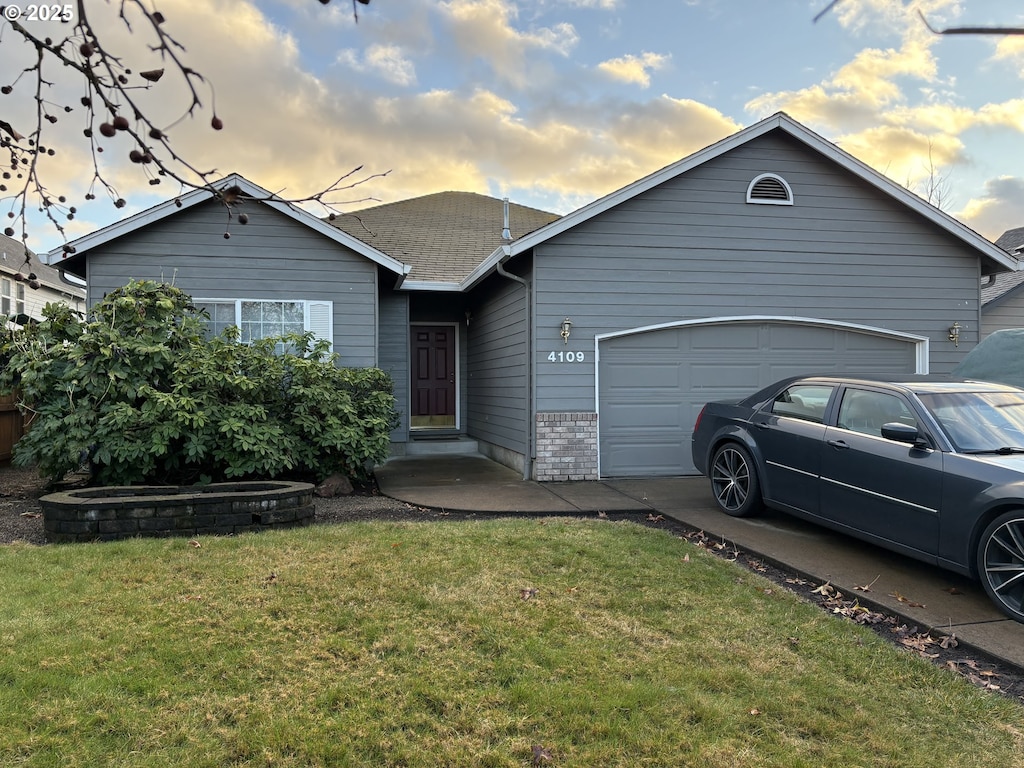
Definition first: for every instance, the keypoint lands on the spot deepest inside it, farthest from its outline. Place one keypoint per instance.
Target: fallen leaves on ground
(906, 600)
(832, 600)
(540, 754)
(970, 669)
(867, 587)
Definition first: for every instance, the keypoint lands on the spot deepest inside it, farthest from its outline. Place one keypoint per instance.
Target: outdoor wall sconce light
(566, 329)
(954, 334)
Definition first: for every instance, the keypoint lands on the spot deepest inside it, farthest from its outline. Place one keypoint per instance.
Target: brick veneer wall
(106, 514)
(566, 446)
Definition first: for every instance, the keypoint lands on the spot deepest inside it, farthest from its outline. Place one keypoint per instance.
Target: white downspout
(506, 236)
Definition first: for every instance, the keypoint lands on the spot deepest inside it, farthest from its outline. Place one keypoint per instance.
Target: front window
(979, 421)
(262, 318)
(12, 298)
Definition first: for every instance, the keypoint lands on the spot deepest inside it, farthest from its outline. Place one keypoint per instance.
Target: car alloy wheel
(734, 481)
(1001, 562)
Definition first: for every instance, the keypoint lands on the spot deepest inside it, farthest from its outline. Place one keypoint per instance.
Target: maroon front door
(433, 376)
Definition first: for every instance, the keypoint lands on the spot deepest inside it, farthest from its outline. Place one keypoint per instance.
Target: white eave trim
(196, 196)
(781, 121)
(430, 285)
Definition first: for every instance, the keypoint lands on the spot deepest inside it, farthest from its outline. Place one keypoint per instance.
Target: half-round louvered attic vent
(769, 189)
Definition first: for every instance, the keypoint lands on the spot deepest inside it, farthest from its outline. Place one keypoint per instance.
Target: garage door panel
(863, 343)
(718, 338)
(652, 385)
(662, 456)
(707, 375)
(800, 339)
(622, 375)
(648, 417)
(654, 341)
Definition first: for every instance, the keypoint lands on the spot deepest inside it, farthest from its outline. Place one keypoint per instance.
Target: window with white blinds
(260, 318)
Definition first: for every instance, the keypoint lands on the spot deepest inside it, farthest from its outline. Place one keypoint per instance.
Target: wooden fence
(12, 427)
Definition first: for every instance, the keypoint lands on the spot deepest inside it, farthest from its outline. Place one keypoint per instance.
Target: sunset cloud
(634, 69)
(554, 103)
(999, 208)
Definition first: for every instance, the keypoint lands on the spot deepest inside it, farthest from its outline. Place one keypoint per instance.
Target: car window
(803, 401)
(866, 410)
(978, 421)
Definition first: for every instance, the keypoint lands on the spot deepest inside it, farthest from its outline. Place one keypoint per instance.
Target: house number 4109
(566, 357)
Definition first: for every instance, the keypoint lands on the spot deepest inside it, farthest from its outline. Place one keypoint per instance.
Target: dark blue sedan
(931, 469)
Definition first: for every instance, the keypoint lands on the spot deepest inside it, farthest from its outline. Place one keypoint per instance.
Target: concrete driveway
(949, 603)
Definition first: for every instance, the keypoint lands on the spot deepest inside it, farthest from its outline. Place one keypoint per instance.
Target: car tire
(1001, 562)
(734, 481)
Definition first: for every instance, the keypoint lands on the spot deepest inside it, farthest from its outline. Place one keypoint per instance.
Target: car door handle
(841, 444)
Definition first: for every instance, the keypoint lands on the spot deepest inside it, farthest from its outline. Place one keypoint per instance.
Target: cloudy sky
(554, 103)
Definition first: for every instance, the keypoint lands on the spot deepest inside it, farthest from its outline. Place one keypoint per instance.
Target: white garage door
(653, 383)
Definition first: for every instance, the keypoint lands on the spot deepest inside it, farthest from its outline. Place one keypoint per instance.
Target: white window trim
(764, 201)
(311, 311)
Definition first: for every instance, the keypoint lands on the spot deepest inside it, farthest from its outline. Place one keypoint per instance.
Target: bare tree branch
(948, 31)
(971, 30)
(112, 109)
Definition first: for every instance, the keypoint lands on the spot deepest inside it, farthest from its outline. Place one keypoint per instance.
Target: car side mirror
(903, 433)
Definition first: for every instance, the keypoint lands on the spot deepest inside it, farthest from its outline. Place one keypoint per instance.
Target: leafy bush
(141, 395)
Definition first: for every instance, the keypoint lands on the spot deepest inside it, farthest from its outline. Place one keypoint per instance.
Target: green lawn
(424, 644)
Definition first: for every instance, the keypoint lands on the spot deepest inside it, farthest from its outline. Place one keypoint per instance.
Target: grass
(412, 645)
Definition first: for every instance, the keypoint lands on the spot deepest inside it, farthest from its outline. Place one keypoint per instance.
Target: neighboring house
(20, 302)
(1002, 295)
(584, 345)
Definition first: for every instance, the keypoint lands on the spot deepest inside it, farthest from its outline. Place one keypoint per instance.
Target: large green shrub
(142, 396)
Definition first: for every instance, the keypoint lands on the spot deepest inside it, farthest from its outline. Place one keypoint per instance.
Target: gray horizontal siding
(1007, 312)
(498, 409)
(693, 248)
(394, 353)
(272, 257)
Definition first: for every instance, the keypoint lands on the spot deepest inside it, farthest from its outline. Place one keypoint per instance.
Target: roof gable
(12, 260)
(75, 263)
(1012, 240)
(777, 122)
(443, 236)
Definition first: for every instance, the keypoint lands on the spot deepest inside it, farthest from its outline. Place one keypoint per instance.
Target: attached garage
(652, 382)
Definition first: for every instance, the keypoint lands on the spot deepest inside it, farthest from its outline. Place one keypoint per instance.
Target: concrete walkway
(951, 603)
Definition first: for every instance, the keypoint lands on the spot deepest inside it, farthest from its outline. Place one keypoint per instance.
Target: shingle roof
(1011, 239)
(12, 259)
(443, 236)
(1004, 282)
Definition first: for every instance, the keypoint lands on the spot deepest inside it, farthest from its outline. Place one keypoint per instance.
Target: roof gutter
(75, 282)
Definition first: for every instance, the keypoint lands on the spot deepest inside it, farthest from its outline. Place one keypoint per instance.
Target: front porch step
(441, 446)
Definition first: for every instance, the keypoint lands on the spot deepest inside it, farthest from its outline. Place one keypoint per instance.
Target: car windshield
(980, 421)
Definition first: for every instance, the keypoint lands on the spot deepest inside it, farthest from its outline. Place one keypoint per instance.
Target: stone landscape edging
(124, 512)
